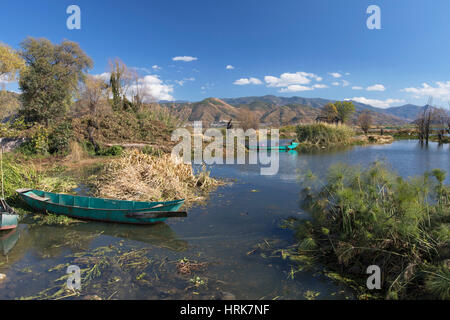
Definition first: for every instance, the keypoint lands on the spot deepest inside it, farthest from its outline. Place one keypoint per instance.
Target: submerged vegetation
(363, 217)
(146, 177)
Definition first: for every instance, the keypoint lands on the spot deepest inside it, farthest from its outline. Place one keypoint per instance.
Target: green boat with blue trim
(107, 210)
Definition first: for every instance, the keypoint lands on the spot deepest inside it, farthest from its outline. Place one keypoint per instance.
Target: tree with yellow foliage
(10, 63)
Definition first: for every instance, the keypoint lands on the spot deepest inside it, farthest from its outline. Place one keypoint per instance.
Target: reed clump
(18, 175)
(145, 177)
(320, 135)
(372, 216)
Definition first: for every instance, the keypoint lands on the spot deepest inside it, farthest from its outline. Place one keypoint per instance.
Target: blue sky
(313, 48)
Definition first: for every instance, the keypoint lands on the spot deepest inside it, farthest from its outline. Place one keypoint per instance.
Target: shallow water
(234, 233)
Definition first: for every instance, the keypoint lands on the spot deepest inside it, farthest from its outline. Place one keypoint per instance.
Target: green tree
(49, 83)
(344, 110)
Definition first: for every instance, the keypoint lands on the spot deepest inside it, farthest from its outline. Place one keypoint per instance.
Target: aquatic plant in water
(372, 216)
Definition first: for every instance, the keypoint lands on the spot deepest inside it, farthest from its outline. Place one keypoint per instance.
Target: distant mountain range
(283, 110)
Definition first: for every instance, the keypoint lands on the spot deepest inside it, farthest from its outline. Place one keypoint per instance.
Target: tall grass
(324, 135)
(373, 216)
(18, 175)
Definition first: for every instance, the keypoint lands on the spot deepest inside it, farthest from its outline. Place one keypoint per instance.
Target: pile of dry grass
(141, 177)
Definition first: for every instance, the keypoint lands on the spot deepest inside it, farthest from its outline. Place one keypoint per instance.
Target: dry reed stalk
(141, 177)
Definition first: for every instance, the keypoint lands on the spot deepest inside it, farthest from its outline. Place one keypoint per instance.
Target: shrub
(59, 138)
(111, 151)
(38, 142)
(374, 216)
(323, 134)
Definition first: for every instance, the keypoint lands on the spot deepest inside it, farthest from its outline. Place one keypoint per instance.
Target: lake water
(235, 235)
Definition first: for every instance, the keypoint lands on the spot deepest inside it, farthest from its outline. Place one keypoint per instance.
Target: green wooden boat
(89, 208)
(292, 146)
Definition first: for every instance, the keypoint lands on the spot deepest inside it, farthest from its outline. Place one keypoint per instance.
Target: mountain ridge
(279, 111)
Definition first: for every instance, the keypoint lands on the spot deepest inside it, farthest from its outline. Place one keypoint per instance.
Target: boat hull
(8, 221)
(97, 209)
(281, 148)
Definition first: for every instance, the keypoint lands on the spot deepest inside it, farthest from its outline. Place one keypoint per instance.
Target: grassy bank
(363, 217)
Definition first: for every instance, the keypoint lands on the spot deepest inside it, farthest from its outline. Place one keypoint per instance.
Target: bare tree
(121, 81)
(429, 117)
(365, 121)
(248, 120)
(441, 119)
(93, 97)
(423, 123)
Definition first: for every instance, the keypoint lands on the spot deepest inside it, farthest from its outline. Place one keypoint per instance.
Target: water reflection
(8, 240)
(51, 241)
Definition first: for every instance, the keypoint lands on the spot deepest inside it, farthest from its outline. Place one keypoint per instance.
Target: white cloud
(377, 103)
(229, 67)
(335, 83)
(441, 91)
(357, 88)
(184, 58)
(293, 82)
(182, 82)
(245, 81)
(320, 86)
(105, 76)
(335, 74)
(296, 88)
(291, 79)
(345, 83)
(156, 67)
(152, 89)
(376, 87)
